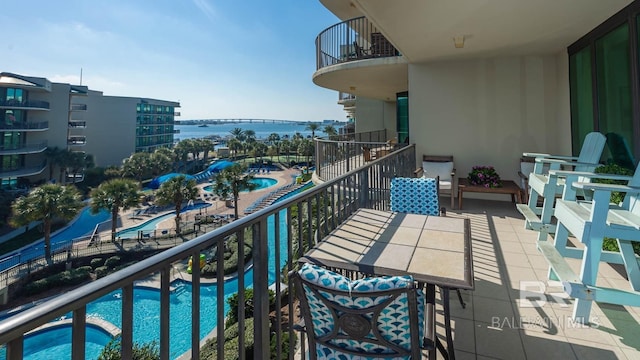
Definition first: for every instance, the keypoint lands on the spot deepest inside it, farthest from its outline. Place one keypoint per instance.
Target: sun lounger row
(272, 197)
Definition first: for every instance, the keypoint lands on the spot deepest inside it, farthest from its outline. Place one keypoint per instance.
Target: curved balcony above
(354, 57)
(25, 126)
(23, 148)
(24, 105)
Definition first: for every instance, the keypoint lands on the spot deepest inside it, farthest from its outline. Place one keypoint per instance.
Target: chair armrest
(607, 187)
(563, 162)
(549, 156)
(590, 175)
(418, 172)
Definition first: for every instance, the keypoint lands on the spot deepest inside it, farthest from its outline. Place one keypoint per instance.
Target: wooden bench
(508, 187)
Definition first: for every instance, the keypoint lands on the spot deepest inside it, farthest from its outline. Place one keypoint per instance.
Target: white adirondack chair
(591, 222)
(542, 185)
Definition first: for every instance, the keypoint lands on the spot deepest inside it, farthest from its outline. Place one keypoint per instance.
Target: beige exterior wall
(111, 128)
(490, 111)
(372, 115)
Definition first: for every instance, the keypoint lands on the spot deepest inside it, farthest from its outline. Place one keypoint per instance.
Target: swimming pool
(150, 225)
(146, 305)
(262, 183)
(55, 342)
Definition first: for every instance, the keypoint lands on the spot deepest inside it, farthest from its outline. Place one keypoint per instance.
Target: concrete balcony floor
(496, 324)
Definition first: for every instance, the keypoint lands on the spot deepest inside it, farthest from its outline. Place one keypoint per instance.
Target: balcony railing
(354, 39)
(77, 140)
(78, 107)
(14, 149)
(77, 124)
(301, 220)
(27, 104)
(24, 126)
(342, 153)
(24, 171)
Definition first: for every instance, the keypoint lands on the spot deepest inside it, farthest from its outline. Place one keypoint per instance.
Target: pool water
(55, 343)
(262, 183)
(146, 312)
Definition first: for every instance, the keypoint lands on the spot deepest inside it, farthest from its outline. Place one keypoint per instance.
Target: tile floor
(496, 324)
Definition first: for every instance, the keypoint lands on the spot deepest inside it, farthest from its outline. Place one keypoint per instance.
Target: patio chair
(591, 222)
(443, 168)
(542, 185)
(379, 317)
(418, 196)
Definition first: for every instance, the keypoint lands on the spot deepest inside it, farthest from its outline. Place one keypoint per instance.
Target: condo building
(487, 81)
(37, 114)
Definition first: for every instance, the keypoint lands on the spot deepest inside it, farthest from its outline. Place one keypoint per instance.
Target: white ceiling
(423, 30)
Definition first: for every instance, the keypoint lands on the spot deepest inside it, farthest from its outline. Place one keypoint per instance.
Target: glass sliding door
(581, 83)
(613, 76)
(402, 117)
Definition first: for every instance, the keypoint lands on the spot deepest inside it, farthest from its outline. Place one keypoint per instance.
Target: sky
(218, 58)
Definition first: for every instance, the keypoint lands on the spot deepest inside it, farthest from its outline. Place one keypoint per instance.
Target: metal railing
(78, 107)
(350, 40)
(36, 104)
(339, 154)
(42, 125)
(23, 148)
(301, 220)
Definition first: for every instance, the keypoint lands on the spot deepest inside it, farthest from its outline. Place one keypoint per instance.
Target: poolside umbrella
(220, 165)
(155, 183)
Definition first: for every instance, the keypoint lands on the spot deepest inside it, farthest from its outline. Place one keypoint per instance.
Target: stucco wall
(489, 111)
(372, 115)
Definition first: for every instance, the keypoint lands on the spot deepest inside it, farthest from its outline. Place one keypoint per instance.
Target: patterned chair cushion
(414, 196)
(393, 322)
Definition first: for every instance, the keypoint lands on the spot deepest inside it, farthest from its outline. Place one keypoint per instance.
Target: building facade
(38, 116)
(485, 82)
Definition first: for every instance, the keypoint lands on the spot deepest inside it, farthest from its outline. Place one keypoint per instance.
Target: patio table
(434, 250)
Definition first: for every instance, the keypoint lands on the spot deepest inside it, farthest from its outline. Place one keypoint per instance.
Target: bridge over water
(237, 121)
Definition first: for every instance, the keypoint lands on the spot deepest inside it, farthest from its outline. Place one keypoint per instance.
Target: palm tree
(53, 156)
(46, 203)
(159, 163)
(312, 127)
(330, 130)
(174, 192)
(238, 133)
(137, 166)
(234, 145)
(114, 195)
(231, 181)
(250, 134)
(306, 149)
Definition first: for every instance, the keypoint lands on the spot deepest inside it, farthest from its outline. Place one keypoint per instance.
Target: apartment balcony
(355, 57)
(77, 140)
(24, 171)
(177, 113)
(346, 99)
(24, 105)
(25, 126)
(77, 124)
(494, 323)
(18, 149)
(78, 107)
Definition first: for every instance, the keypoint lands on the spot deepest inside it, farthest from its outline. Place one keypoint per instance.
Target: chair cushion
(435, 169)
(415, 196)
(393, 322)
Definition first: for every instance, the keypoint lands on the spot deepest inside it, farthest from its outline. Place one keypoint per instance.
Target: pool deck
(284, 177)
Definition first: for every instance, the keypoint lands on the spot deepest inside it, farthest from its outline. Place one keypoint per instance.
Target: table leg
(460, 198)
(444, 293)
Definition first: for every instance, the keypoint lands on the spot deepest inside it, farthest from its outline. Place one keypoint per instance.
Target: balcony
(340, 154)
(77, 140)
(355, 57)
(24, 171)
(78, 107)
(24, 105)
(493, 325)
(25, 126)
(77, 124)
(16, 149)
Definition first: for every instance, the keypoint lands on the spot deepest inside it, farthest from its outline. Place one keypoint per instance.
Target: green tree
(306, 149)
(238, 134)
(234, 145)
(231, 181)
(114, 195)
(54, 157)
(330, 130)
(160, 163)
(113, 350)
(137, 166)
(174, 192)
(312, 127)
(46, 203)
